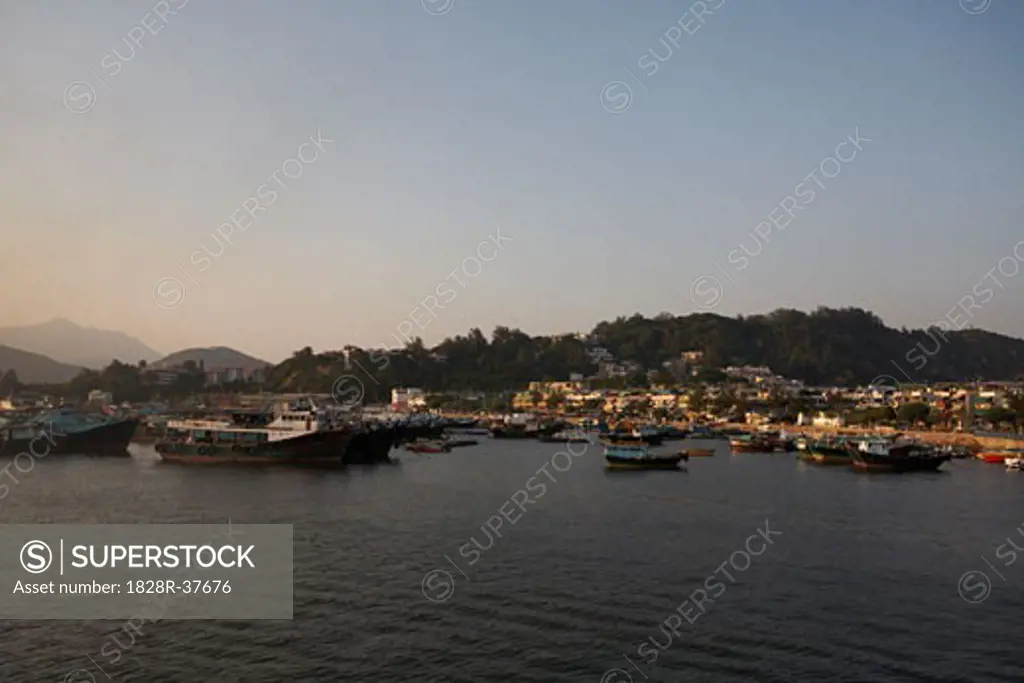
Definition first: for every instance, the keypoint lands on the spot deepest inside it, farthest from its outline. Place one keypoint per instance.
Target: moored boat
(567, 436)
(830, 452)
(640, 457)
(750, 443)
(886, 455)
(1015, 464)
(296, 433)
(67, 431)
(999, 456)
(428, 447)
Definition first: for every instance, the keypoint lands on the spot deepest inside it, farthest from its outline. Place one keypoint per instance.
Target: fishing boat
(567, 436)
(830, 452)
(890, 455)
(750, 443)
(66, 431)
(516, 427)
(299, 432)
(1000, 456)
(458, 442)
(640, 457)
(428, 447)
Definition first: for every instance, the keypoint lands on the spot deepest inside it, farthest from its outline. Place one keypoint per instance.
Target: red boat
(998, 456)
(428, 447)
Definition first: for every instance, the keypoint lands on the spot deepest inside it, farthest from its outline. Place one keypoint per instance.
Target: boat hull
(108, 439)
(667, 462)
(881, 463)
(319, 449)
(699, 452)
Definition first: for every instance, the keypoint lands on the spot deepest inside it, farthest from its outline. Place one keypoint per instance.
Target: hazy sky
(121, 152)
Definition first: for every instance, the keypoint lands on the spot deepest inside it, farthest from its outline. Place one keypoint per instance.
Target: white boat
(1015, 463)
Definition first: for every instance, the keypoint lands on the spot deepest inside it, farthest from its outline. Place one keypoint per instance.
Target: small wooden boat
(428, 447)
(751, 444)
(698, 452)
(640, 457)
(998, 456)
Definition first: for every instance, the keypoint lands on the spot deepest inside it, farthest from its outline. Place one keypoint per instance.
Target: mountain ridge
(35, 367)
(64, 341)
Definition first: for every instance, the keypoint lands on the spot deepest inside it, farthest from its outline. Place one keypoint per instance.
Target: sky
(536, 164)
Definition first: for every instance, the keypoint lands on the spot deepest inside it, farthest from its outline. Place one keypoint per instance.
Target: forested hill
(829, 346)
(826, 347)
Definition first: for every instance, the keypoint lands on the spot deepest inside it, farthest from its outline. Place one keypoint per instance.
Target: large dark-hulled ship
(297, 433)
(67, 432)
(886, 455)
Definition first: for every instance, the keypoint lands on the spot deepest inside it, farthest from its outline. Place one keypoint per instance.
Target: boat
(67, 431)
(626, 433)
(672, 433)
(291, 433)
(567, 436)
(698, 452)
(749, 443)
(428, 447)
(830, 452)
(516, 427)
(889, 455)
(1000, 456)
(459, 442)
(1015, 463)
(640, 457)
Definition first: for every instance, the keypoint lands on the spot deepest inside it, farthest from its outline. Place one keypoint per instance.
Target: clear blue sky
(446, 126)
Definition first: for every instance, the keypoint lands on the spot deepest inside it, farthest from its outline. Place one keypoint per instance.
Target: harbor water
(511, 562)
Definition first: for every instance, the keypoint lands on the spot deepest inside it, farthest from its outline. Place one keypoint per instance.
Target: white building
(409, 398)
(101, 397)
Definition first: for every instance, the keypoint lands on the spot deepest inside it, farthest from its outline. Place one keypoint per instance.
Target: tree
(913, 413)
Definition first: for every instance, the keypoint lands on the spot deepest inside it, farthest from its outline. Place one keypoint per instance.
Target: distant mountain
(212, 357)
(66, 342)
(32, 368)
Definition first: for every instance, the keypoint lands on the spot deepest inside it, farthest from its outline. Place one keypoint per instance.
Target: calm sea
(802, 573)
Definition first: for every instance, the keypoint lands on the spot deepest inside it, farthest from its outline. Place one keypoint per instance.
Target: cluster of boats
(297, 432)
(875, 454)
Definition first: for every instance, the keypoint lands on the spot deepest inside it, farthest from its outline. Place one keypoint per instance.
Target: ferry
(66, 431)
(640, 457)
(298, 432)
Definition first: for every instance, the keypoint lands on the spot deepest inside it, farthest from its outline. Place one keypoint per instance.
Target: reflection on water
(862, 583)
